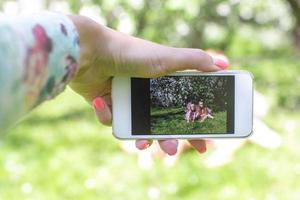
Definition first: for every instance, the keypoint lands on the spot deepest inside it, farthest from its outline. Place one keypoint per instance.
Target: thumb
(102, 111)
(140, 58)
(185, 58)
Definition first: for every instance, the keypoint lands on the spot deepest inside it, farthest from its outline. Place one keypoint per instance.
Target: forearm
(38, 57)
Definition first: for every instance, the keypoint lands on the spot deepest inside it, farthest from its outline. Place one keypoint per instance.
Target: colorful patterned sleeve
(39, 54)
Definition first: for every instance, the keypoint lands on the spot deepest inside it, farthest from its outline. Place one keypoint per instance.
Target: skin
(106, 53)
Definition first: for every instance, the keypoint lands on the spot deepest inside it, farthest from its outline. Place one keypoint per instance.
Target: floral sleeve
(39, 54)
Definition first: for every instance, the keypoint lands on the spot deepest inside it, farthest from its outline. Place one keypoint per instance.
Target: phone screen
(180, 105)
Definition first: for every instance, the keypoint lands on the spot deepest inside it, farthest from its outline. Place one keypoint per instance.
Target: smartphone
(183, 105)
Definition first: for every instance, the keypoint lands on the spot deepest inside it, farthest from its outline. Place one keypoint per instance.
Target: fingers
(104, 115)
(199, 145)
(102, 111)
(169, 146)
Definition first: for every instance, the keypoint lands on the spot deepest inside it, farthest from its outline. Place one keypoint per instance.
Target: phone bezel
(243, 107)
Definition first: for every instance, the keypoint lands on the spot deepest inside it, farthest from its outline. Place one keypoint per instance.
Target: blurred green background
(60, 151)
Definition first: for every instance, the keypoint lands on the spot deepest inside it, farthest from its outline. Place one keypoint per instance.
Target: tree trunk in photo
(295, 6)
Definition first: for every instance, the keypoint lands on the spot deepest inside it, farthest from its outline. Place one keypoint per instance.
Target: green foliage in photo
(172, 121)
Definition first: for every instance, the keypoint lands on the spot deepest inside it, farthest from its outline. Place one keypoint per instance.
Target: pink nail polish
(98, 103)
(202, 150)
(172, 153)
(170, 147)
(221, 63)
(143, 145)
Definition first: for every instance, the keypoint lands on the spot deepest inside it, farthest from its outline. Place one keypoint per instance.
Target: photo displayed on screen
(191, 105)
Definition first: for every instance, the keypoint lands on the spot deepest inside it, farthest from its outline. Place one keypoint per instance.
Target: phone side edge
(121, 107)
(243, 125)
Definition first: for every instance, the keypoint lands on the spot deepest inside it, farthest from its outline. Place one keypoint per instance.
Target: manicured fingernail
(143, 144)
(170, 147)
(221, 63)
(172, 152)
(98, 103)
(202, 150)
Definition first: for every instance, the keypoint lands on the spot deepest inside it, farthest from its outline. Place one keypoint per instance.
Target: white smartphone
(183, 105)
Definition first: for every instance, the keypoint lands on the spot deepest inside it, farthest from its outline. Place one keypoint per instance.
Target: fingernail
(221, 63)
(98, 103)
(172, 153)
(202, 150)
(171, 147)
(144, 144)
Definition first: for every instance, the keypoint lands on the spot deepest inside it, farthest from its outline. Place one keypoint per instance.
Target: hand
(106, 53)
